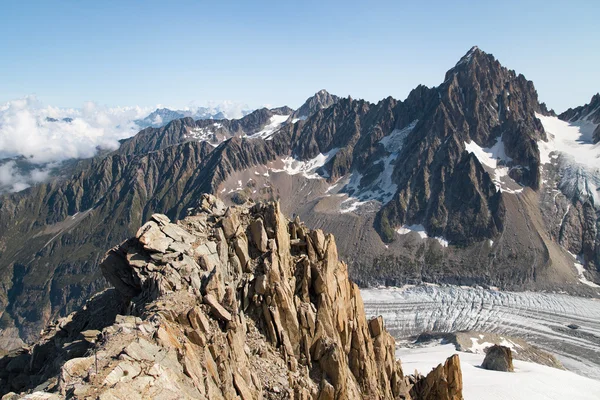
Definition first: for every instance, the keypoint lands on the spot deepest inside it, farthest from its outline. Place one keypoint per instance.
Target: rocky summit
(229, 303)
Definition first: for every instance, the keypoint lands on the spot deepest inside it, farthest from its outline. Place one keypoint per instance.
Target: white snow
(495, 159)
(582, 278)
(274, 124)
(579, 159)
(420, 230)
(307, 168)
(529, 381)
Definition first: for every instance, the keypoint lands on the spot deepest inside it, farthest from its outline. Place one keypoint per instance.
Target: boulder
(498, 358)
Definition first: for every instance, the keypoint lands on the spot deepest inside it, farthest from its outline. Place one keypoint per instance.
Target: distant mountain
(471, 182)
(322, 99)
(162, 116)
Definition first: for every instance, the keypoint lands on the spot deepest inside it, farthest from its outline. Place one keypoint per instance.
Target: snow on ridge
(420, 230)
(495, 158)
(274, 124)
(570, 144)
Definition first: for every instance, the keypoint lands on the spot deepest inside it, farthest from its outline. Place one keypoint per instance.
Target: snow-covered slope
(570, 145)
(539, 318)
(529, 381)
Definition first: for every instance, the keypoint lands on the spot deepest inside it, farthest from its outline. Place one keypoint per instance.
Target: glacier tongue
(539, 318)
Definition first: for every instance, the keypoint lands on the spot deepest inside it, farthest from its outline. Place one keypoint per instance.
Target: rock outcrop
(228, 303)
(444, 382)
(498, 358)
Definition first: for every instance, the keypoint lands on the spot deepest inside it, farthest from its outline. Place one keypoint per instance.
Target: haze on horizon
(272, 53)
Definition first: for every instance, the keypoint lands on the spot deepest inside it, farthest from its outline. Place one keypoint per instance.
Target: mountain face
(467, 183)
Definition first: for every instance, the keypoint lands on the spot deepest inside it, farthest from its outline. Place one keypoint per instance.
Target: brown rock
(498, 358)
(259, 235)
(216, 308)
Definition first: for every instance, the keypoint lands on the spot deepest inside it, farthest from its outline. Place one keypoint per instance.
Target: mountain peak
(320, 100)
(474, 52)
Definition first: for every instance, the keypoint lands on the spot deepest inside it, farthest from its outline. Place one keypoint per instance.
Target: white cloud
(14, 179)
(45, 135)
(26, 129)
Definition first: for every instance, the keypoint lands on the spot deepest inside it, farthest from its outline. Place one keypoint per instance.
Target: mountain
(467, 182)
(162, 116)
(322, 99)
(229, 302)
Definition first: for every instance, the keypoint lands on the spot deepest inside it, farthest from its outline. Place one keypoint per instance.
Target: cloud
(15, 179)
(40, 136)
(45, 134)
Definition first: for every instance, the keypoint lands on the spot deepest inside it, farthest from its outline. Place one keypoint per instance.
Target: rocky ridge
(228, 303)
(587, 113)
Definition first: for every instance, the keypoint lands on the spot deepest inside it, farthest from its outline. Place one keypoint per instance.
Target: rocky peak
(320, 100)
(589, 112)
(234, 302)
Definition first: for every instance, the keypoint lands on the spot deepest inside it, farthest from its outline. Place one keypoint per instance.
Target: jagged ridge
(232, 303)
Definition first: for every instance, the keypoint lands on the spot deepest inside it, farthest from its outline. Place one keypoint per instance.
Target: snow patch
(580, 270)
(307, 168)
(420, 230)
(274, 124)
(496, 160)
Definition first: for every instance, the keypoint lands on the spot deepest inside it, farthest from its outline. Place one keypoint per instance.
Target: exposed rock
(498, 358)
(443, 383)
(295, 329)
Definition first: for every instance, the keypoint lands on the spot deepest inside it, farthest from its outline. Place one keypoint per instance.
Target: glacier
(539, 318)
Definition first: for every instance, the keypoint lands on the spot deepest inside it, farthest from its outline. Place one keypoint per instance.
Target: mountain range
(471, 182)
(162, 116)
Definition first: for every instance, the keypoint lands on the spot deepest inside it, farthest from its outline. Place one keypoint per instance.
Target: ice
(529, 381)
(579, 160)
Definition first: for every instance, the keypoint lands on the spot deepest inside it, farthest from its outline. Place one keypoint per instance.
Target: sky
(144, 53)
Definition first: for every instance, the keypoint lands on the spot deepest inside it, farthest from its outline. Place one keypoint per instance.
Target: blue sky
(262, 52)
